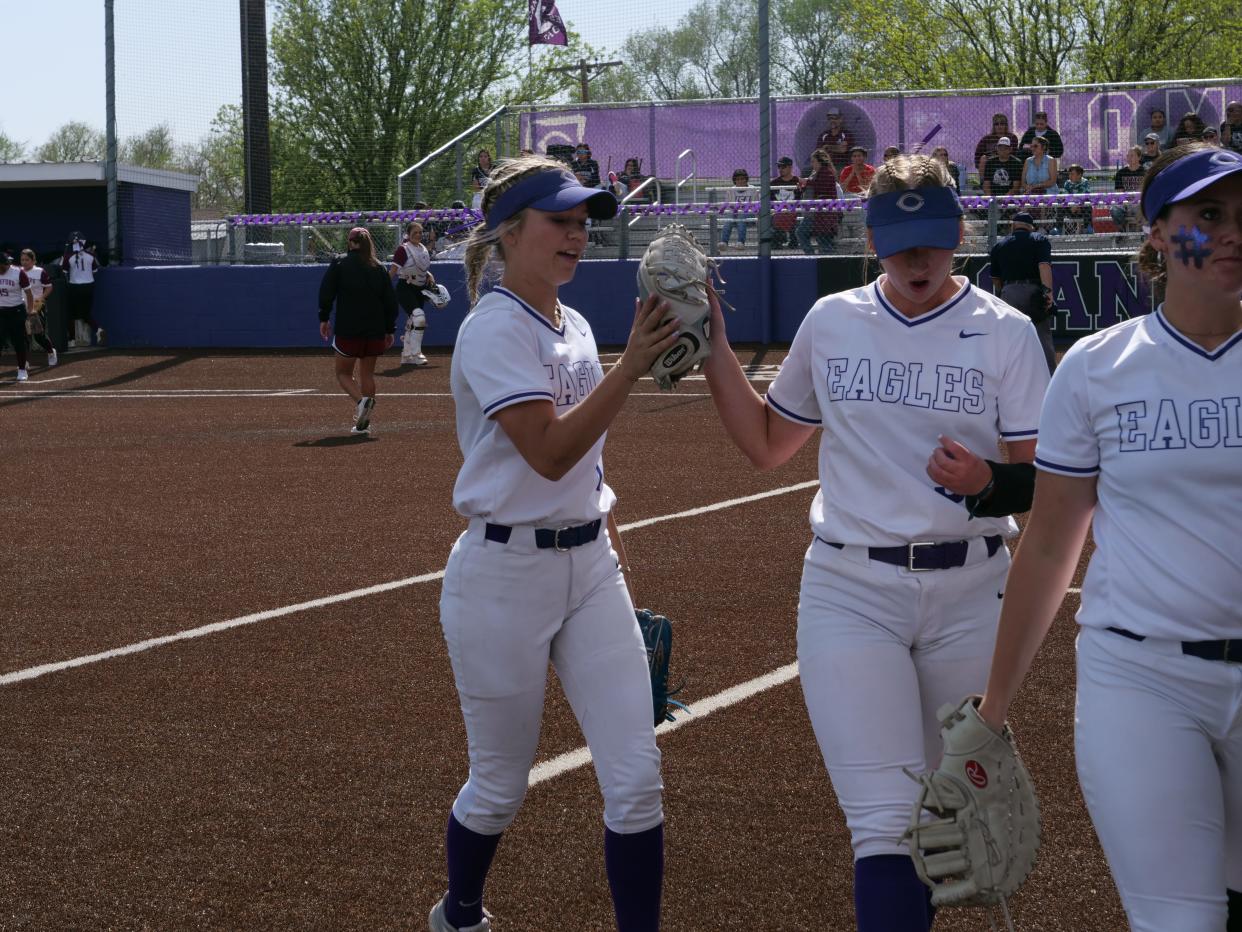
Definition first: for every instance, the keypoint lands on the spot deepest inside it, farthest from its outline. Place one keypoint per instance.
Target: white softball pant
(506, 610)
(1158, 739)
(880, 649)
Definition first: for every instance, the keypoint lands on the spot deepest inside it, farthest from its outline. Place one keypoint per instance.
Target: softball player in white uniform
(898, 606)
(535, 577)
(1141, 438)
(411, 264)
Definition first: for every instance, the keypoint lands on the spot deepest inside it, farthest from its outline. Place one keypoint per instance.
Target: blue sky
(178, 60)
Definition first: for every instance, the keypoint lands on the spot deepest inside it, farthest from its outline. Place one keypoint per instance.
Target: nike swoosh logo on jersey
(964, 335)
(1000, 595)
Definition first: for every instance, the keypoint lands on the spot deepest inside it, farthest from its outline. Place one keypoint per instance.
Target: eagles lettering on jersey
(574, 380)
(1169, 424)
(950, 388)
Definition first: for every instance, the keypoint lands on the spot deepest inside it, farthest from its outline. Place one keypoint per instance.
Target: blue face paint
(1192, 245)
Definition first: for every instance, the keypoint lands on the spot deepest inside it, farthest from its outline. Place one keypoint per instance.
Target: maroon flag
(546, 25)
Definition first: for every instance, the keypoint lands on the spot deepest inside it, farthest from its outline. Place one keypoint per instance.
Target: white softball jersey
(884, 387)
(40, 281)
(81, 267)
(1157, 420)
(412, 262)
(508, 353)
(13, 284)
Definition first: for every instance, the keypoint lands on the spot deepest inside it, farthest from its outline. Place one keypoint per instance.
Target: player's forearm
(1042, 569)
(741, 410)
(571, 435)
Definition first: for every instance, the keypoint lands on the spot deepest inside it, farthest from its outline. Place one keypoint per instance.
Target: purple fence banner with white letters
(546, 25)
(1096, 125)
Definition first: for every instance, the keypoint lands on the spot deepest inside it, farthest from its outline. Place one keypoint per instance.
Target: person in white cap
(1140, 442)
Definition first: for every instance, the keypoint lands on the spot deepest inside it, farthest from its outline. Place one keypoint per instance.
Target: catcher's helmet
(437, 295)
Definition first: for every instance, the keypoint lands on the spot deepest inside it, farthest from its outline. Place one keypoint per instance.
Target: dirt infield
(294, 770)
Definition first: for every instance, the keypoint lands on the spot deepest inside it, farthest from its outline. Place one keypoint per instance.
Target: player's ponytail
(484, 250)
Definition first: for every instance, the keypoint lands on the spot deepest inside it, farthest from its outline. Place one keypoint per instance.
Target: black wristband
(1012, 488)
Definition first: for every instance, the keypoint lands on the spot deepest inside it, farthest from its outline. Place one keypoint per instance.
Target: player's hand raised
(648, 337)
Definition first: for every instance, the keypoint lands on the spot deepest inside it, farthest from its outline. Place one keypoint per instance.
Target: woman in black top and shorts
(366, 318)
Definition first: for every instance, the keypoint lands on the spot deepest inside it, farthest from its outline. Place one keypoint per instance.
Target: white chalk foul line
(699, 710)
(216, 627)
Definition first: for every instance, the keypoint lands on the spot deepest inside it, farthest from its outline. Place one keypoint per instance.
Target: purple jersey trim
(1073, 470)
(789, 414)
(929, 316)
(514, 398)
(1194, 348)
(560, 332)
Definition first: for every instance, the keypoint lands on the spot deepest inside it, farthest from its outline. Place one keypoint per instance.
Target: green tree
(154, 148)
(364, 88)
(74, 141)
(216, 160)
(1154, 40)
(813, 44)
(10, 149)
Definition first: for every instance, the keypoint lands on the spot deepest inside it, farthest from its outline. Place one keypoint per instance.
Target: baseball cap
(1209, 131)
(1151, 137)
(1004, 141)
(1187, 177)
(1024, 216)
(926, 216)
(552, 191)
(784, 160)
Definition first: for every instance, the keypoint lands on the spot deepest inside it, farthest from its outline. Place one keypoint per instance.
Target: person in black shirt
(1022, 276)
(1002, 171)
(366, 320)
(1128, 178)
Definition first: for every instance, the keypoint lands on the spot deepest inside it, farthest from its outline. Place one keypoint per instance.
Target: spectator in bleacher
(1039, 171)
(1158, 123)
(478, 176)
(630, 179)
(821, 185)
(955, 174)
(785, 187)
(1231, 126)
(1002, 172)
(741, 193)
(1211, 136)
(1041, 129)
(1076, 218)
(836, 140)
(1151, 149)
(366, 320)
(986, 147)
(891, 152)
(584, 167)
(1190, 125)
(1128, 178)
(856, 177)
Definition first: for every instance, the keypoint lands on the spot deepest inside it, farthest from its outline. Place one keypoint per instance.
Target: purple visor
(926, 216)
(552, 191)
(1187, 177)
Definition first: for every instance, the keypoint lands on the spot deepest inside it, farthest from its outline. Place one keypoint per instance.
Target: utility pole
(587, 70)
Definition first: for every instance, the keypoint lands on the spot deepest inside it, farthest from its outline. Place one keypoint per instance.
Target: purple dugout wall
(276, 306)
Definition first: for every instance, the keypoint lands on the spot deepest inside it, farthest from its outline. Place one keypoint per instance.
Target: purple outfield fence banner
(546, 25)
(1097, 126)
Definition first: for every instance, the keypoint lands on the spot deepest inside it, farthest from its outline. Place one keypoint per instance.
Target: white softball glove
(982, 843)
(676, 268)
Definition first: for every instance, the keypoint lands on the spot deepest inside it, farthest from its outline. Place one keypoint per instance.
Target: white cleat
(22, 375)
(362, 414)
(99, 336)
(52, 358)
(437, 923)
(418, 360)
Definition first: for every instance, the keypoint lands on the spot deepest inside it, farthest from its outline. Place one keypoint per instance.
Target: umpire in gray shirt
(1022, 276)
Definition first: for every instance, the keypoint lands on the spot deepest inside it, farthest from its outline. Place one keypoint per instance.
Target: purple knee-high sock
(635, 865)
(469, 856)
(888, 895)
